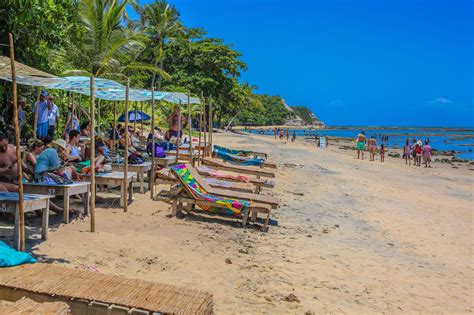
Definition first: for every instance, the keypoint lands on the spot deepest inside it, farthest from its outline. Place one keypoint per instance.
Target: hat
(44, 93)
(21, 99)
(60, 144)
(419, 142)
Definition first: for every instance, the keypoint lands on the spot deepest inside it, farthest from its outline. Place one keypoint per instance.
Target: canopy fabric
(135, 115)
(103, 88)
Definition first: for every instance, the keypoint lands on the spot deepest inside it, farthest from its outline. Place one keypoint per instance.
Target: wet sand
(350, 236)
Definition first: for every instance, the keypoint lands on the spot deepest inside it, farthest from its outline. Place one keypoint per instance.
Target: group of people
(416, 150)
(281, 133)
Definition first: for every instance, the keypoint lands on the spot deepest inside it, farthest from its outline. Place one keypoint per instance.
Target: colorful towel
(237, 159)
(245, 153)
(213, 173)
(234, 207)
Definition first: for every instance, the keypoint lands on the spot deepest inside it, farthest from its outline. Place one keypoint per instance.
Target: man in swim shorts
(361, 139)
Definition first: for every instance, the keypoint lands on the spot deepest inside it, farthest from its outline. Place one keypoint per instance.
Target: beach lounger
(251, 170)
(257, 182)
(88, 292)
(193, 194)
(165, 177)
(247, 153)
(242, 160)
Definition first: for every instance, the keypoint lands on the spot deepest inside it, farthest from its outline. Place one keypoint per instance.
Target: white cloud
(441, 100)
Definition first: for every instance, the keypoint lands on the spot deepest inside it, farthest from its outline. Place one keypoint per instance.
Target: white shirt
(53, 113)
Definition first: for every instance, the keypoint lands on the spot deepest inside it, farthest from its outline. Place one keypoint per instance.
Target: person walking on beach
(407, 152)
(382, 153)
(287, 135)
(427, 154)
(372, 144)
(293, 137)
(275, 133)
(281, 134)
(361, 139)
(418, 152)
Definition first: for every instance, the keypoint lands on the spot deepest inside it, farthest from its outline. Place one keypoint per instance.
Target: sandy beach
(350, 236)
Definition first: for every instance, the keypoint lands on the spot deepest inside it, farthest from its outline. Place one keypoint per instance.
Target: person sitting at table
(8, 165)
(102, 151)
(73, 147)
(35, 147)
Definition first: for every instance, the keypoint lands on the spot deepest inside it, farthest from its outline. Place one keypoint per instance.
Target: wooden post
(204, 124)
(98, 118)
(92, 156)
(191, 156)
(17, 143)
(35, 119)
(135, 120)
(179, 132)
(200, 127)
(151, 180)
(141, 120)
(210, 126)
(125, 160)
(114, 138)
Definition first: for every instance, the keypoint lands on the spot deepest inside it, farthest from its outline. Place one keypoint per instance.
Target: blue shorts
(42, 130)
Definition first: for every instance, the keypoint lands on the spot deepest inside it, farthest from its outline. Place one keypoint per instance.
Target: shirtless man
(173, 122)
(8, 165)
(372, 144)
(361, 139)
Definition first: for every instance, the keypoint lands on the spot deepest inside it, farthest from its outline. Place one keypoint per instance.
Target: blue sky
(367, 62)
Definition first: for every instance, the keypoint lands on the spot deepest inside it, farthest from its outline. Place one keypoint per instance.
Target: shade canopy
(103, 88)
(135, 115)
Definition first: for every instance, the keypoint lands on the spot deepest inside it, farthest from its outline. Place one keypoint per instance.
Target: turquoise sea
(460, 140)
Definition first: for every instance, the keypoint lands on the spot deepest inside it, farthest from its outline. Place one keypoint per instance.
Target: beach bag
(53, 178)
(134, 158)
(10, 257)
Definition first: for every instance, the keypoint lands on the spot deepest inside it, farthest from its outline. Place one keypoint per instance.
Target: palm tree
(160, 22)
(107, 46)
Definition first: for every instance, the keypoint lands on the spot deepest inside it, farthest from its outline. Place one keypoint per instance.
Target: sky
(359, 62)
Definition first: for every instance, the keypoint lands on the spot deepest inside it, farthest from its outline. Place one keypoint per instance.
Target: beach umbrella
(135, 115)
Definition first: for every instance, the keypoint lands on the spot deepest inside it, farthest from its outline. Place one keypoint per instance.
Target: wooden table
(9, 204)
(116, 179)
(165, 162)
(66, 191)
(140, 169)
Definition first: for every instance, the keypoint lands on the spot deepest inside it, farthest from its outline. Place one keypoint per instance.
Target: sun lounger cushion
(237, 159)
(216, 174)
(234, 207)
(10, 257)
(245, 153)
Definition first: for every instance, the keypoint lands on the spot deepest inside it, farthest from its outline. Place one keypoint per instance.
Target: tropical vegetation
(148, 44)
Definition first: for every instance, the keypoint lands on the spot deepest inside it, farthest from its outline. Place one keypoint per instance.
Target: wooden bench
(65, 191)
(116, 179)
(9, 203)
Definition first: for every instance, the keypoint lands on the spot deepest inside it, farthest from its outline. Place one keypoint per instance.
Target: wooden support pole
(114, 133)
(210, 125)
(151, 180)
(191, 156)
(92, 154)
(98, 118)
(179, 132)
(18, 146)
(200, 128)
(125, 160)
(203, 108)
(35, 114)
(135, 120)
(141, 121)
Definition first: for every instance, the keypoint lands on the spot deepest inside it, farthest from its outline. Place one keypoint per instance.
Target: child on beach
(407, 152)
(427, 154)
(382, 153)
(281, 134)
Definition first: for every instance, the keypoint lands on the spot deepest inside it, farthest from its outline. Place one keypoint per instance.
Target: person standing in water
(427, 154)
(382, 153)
(361, 139)
(407, 152)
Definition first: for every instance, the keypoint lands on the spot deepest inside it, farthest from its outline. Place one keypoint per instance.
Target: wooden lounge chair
(244, 152)
(251, 170)
(268, 200)
(257, 182)
(88, 292)
(241, 160)
(165, 177)
(193, 194)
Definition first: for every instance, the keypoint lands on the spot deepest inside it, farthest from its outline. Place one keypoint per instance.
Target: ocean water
(460, 140)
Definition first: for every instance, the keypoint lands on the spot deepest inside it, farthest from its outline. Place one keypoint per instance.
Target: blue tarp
(10, 257)
(133, 115)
